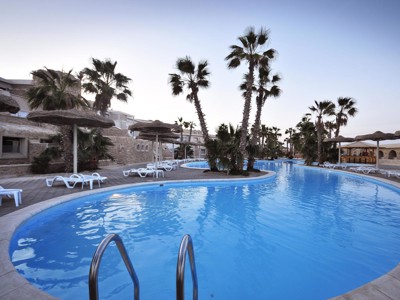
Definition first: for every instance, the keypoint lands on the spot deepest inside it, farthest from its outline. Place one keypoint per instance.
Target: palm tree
(266, 87)
(347, 109)
(250, 53)
(330, 126)
(322, 108)
(304, 138)
(263, 134)
(103, 81)
(193, 79)
(180, 123)
(290, 131)
(56, 90)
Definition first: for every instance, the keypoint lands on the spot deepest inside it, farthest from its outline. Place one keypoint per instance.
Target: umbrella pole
(156, 154)
(339, 155)
(377, 154)
(75, 149)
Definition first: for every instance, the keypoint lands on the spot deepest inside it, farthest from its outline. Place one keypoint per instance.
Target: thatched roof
(155, 126)
(376, 136)
(84, 118)
(7, 103)
(339, 139)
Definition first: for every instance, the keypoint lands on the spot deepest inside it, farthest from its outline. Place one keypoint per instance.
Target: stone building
(21, 139)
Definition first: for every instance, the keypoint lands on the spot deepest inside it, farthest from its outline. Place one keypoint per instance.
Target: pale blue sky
(327, 49)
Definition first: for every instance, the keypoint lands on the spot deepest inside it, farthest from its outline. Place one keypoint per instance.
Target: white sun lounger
(16, 193)
(131, 172)
(93, 177)
(364, 170)
(71, 181)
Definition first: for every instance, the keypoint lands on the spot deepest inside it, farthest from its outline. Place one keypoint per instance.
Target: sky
(326, 49)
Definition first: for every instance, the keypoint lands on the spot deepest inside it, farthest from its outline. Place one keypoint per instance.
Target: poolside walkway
(35, 191)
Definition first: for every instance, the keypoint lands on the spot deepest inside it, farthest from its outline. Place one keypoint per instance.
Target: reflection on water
(319, 233)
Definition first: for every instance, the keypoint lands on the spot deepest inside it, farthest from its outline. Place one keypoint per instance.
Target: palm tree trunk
(319, 142)
(246, 116)
(66, 132)
(254, 138)
(211, 162)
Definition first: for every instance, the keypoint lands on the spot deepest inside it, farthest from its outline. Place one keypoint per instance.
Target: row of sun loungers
(155, 170)
(363, 169)
(333, 166)
(75, 179)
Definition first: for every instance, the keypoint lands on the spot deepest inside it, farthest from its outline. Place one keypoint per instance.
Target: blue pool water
(306, 233)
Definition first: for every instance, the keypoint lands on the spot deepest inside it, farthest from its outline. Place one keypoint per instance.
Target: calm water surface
(304, 234)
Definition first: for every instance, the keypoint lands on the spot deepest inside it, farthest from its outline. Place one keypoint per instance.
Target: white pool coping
(15, 286)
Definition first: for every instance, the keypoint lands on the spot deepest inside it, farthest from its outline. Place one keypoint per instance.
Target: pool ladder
(185, 247)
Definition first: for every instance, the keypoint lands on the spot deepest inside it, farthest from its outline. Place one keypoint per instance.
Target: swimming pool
(305, 234)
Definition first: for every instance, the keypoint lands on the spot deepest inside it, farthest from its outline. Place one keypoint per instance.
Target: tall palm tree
(54, 90)
(290, 131)
(192, 79)
(347, 109)
(266, 87)
(103, 81)
(322, 108)
(249, 52)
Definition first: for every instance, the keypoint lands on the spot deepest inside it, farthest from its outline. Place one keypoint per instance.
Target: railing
(94, 267)
(186, 245)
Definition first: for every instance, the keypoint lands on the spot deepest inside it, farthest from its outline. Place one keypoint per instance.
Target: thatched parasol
(376, 136)
(339, 139)
(84, 118)
(157, 128)
(7, 103)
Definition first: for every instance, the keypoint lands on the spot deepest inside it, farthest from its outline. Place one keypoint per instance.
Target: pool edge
(15, 286)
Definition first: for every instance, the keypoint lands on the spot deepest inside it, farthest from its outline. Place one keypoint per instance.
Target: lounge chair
(16, 193)
(394, 173)
(93, 177)
(143, 172)
(131, 172)
(71, 181)
(364, 170)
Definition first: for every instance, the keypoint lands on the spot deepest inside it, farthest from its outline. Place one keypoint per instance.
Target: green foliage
(103, 81)
(55, 90)
(305, 140)
(41, 164)
(92, 146)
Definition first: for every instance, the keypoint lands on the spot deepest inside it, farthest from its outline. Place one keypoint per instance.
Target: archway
(392, 154)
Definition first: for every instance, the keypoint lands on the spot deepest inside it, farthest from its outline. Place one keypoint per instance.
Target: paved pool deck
(37, 196)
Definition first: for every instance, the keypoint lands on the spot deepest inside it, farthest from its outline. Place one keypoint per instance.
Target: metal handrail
(94, 266)
(186, 245)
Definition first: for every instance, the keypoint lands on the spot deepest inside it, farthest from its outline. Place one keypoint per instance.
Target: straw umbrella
(376, 136)
(84, 118)
(165, 137)
(339, 139)
(7, 103)
(155, 128)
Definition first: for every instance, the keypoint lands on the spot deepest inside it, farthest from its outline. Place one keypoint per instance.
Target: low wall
(16, 170)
